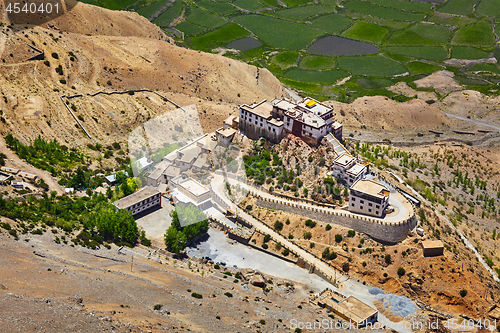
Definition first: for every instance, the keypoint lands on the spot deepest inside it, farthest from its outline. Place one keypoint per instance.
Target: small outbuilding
(433, 248)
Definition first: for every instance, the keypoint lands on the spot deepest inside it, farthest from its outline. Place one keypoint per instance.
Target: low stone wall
(385, 232)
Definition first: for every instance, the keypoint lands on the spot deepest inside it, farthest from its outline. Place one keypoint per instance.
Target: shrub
(285, 252)
(248, 207)
(328, 227)
(351, 233)
(13, 232)
(463, 292)
(196, 295)
(55, 55)
(216, 266)
(6, 226)
(311, 245)
(62, 81)
(228, 294)
(46, 63)
(262, 322)
(385, 275)
(328, 255)
(401, 271)
(265, 246)
(37, 232)
(158, 307)
(387, 258)
(338, 238)
(307, 235)
(267, 238)
(310, 223)
(278, 225)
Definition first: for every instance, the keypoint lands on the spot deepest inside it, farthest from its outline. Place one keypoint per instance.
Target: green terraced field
(279, 33)
(323, 77)
(420, 52)
(375, 65)
(409, 6)
(205, 19)
(418, 67)
(285, 59)
(362, 30)
(459, 7)
(488, 8)
(317, 63)
(304, 12)
(169, 15)
(148, 11)
(218, 37)
(333, 23)
(493, 68)
(310, 45)
(217, 7)
(477, 34)
(464, 52)
(382, 12)
(190, 28)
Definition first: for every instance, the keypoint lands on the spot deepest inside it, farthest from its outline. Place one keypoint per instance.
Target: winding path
(472, 121)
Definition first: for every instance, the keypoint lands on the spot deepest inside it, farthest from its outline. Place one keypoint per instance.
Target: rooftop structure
(19, 184)
(231, 122)
(143, 163)
(145, 198)
(432, 248)
(4, 176)
(368, 197)
(225, 135)
(348, 308)
(10, 170)
(27, 175)
(111, 179)
(308, 119)
(187, 190)
(348, 169)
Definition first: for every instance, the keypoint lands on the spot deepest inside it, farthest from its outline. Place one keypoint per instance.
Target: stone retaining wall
(385, 232)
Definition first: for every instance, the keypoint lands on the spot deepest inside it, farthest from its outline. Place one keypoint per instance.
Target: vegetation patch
(464, 52)
(169, 15)
(332, 23)
(285, 59)
(485, 67)
(327, 77)
(336, 46)
(418, 67)
(434, 32)
(409, 37)
(205, 19)
(195, 223)
(304, 12)
(217, 7)
(476, 34)
(383, 12)
(148, 11)
(218, 37)
(250, 5)
(362, 30)
(458, 7)
(190, 28)
(421, 52)
(317, 62)
(374, 65)
(409, 6)
(293, 3)
(279, 33)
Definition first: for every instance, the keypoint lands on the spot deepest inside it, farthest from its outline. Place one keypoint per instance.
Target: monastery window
(376, 212)
(361, 201)
(352, 204)
(353, 199)
(360, 207)
(369, 210)
(377, 206)
(370, 204)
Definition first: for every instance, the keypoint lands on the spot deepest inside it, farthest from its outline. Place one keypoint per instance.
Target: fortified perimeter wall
(385, 232)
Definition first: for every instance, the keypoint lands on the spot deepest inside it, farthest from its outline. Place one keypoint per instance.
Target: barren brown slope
(31, 89)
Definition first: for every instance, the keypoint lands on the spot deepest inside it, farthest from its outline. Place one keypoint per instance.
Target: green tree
(175, 240)
(338, 238)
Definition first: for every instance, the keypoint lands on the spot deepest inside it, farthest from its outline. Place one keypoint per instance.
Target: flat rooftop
(356, 169)
(355, 309)
(370, 187)
(226, 132)
(283, 104)
(344, 160)
(194, 187)
(313, 120)
(262, 109)
(336, 125)
(314, 106)
(136, 197)
(432, 244)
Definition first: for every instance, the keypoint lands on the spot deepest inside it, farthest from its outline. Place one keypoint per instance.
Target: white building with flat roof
(347, 168)
(189, 191)
(368, 197)
(146, 198)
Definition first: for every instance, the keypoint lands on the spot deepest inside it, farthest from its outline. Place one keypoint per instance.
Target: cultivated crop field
(312, 45)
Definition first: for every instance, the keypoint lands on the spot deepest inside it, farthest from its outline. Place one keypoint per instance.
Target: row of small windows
(362, 202)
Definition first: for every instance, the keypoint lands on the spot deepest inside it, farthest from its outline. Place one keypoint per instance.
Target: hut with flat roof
(146, 198)
(433, 248)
